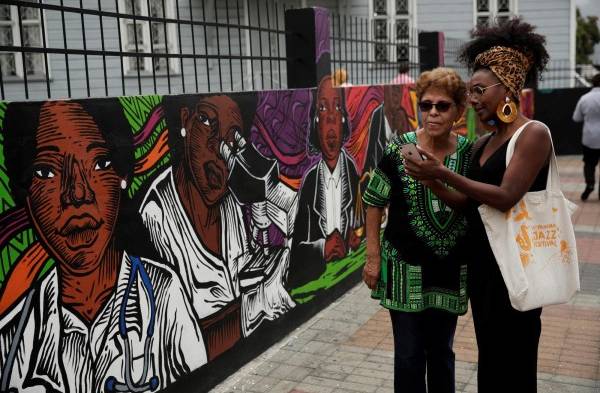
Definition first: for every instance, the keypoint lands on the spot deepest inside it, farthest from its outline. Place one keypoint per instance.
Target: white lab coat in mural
(212, 281)
(58, 352)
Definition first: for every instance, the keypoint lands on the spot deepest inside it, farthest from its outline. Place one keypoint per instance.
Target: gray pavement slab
(348, 346)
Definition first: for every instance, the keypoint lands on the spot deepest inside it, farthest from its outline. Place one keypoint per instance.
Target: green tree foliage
(587, 36)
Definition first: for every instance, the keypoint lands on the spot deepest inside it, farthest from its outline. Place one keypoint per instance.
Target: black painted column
(307, 45)
(431, 50)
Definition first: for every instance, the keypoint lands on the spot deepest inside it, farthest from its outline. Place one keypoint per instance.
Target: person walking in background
(503, 58)
(588, 112)
(403, 78)
(418, 270)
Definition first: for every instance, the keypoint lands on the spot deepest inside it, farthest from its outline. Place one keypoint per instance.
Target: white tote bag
(534, 243)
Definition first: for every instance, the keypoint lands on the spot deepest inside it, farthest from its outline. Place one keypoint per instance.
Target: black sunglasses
(441, 106)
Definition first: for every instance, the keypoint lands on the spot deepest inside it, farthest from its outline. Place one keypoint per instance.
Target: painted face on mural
(75, 192)
(394, 112)
(215, 120)
(329, 115)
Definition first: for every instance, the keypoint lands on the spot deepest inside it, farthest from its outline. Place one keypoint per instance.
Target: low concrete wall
(173, 238)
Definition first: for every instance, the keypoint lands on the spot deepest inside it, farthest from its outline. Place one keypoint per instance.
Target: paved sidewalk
(348, 346)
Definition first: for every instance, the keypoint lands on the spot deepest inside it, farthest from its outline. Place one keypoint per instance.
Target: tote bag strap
(553, 181)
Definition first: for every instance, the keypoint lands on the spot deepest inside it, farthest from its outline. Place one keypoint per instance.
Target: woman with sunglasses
(417, 270)
(503, 57)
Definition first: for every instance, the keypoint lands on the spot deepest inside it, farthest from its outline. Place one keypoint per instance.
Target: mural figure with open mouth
(199, 226)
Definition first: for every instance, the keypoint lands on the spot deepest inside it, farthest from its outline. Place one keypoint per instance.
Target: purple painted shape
(280, 129)
(155, 117)
(322, 32)
(276, 236)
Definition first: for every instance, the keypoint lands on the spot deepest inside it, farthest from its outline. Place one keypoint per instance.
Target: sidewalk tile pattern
(348, 347)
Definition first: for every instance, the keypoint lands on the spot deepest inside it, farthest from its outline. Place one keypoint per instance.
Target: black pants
(590, 161)
(507, 339)
(423, 341)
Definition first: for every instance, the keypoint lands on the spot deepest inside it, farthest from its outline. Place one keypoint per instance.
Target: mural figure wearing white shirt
(103, 318)
(198, 226)
(327, 218)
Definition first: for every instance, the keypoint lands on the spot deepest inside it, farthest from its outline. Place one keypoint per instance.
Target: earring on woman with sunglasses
(507, 112)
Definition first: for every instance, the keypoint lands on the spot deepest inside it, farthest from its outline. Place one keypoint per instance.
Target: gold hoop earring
(507, 112)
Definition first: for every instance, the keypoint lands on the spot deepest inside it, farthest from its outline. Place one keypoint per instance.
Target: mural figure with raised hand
(326, 219)
(199, 227)
(104, 317)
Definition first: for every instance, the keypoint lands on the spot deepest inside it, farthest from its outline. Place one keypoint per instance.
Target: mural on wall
(195, 212)
(142, 237)
(396, 115)
(326, 226)
(104, 316)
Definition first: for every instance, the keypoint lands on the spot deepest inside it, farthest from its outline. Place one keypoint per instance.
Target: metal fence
(452, 47)
(368, 59)
(562, 74)
(373, 53)
(559, 73)
(92, 48)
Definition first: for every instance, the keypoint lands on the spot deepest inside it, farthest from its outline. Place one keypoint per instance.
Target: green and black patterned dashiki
(423, 263)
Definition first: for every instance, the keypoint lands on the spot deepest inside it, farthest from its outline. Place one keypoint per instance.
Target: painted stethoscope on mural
(111, 385)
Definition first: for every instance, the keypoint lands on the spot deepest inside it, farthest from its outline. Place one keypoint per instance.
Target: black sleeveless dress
(507, 339)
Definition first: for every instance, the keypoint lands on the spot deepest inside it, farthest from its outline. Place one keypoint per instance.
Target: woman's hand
(372, 270)
(428, 169)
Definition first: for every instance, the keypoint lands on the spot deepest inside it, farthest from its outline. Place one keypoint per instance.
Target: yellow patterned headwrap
(508, 64)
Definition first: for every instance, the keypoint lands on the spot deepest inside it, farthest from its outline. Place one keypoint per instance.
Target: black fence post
(307, 45)
(431, 50)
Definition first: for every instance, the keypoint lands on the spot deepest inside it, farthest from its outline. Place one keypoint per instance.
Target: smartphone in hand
(410, 151)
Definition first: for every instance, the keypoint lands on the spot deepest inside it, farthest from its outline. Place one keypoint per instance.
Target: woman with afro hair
(503, 58)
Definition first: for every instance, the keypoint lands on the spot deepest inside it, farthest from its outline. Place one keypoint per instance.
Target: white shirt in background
(588, 112)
